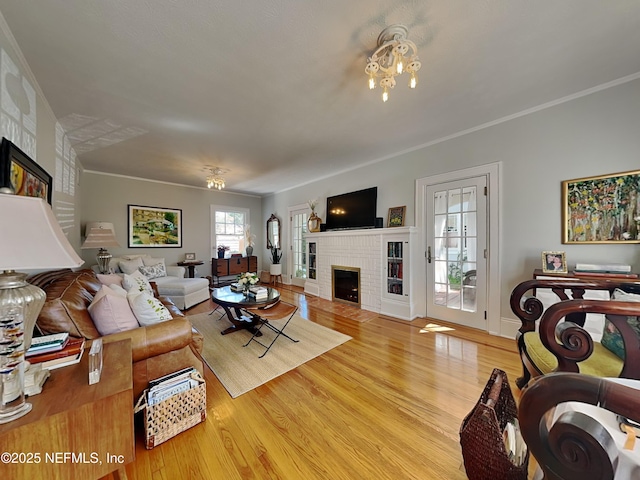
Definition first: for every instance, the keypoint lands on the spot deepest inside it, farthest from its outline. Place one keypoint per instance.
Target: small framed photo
(396, 216)
(554, 262)
(189, 257)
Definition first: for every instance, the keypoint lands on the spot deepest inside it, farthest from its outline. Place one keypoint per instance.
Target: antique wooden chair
(581, 439)
(560, 342)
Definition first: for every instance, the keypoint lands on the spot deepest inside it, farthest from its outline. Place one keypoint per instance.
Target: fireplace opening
(346, 284)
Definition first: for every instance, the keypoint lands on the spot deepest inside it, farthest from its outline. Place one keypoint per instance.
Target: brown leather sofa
(157, 350)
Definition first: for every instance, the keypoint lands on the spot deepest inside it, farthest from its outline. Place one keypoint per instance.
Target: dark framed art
(154, 227)
(604, 209)
(21, 174)
(396, 216)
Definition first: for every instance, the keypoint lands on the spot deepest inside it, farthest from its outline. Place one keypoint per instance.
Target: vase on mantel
(314, 222)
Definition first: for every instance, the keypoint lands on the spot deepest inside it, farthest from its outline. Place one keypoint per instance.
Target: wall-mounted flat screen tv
(352, 210)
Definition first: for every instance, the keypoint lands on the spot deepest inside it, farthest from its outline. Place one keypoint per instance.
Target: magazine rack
(481, 434)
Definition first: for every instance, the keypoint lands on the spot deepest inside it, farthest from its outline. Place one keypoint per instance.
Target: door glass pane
(455, 203)
(455, 252)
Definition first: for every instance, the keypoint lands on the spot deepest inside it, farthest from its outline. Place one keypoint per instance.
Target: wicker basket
(485, 455)
(174, 415)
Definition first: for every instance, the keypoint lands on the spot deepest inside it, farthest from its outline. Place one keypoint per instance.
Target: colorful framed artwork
(21, 174)
(396, 216)
(554, 262)
(154, 227)
(604, 209)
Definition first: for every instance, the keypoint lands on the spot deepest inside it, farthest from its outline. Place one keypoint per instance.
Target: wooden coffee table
(76, 430)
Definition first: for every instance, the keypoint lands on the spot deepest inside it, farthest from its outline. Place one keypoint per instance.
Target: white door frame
(494, 234)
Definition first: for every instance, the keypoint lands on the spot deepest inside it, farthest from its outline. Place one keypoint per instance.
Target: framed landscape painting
(604, 209)
(154, 227)
(21, 174)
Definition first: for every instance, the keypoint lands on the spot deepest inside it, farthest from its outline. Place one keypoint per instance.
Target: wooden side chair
(278, 311)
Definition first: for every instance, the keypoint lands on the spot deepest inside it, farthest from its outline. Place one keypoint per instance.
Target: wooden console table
(76, 430)
(224, 267)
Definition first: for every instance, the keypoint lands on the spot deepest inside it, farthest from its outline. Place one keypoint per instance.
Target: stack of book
(172, 384)
(47, 343)
(50, 358)
(235, 287)
(606, 270)
(258, 292)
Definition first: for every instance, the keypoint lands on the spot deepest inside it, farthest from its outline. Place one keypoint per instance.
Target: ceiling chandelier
(395, 55)
(214, 180)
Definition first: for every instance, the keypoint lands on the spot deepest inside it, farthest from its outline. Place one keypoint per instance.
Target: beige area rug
(240, 370)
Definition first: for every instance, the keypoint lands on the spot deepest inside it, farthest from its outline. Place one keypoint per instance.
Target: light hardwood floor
(387, 404)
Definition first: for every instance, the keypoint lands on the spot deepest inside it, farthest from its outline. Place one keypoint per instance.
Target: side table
(76, 430)
(191, 267)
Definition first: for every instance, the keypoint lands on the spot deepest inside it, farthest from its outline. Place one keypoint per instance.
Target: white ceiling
(274, 92)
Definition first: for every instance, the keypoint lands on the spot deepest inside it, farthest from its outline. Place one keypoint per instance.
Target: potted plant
(276, 267)
(221, 250)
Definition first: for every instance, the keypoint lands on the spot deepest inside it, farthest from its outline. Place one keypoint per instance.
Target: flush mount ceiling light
(215, 180)
(394, 56)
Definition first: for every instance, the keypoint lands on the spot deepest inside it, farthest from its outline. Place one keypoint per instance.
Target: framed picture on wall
(602, 209)
(154, 227)
(21, 174)
(396, 216)
(554, 262)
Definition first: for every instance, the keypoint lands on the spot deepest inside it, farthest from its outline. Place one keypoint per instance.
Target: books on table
(47, 343)
(69, 355)
(603, 267)
(258, 292)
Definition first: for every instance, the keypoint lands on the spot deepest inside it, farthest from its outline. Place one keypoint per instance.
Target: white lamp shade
(31, 237)
(100, 235)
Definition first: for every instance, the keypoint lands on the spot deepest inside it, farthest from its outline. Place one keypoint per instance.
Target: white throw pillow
(138, 281)
(111, 313)
(130, 266)
(149, 261)
(147, 309)
(109, 279)
(153, 271)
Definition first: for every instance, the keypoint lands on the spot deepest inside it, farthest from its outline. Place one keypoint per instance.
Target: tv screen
(352, 210)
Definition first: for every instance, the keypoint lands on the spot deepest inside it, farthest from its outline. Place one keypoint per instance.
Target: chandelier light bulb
(372, 82)
(413, 81)
(399, 66)
(385, 94)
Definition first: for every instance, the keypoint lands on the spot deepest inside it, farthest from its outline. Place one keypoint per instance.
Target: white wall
(27, 119)
(596, 134)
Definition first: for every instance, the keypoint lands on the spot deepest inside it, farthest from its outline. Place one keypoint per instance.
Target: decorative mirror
(273, 232)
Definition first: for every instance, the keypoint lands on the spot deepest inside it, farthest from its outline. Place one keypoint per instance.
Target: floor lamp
(31, 240)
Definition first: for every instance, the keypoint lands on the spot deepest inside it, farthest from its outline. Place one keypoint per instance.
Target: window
(228, 226)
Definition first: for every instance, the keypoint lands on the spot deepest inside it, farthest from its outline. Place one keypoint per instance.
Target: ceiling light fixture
(395, 55)
(215, 180)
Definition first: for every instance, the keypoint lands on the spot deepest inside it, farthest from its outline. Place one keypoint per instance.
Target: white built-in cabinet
(396, 270)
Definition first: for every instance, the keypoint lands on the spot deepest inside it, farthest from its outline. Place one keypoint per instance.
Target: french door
(456, 239)
(298, 217)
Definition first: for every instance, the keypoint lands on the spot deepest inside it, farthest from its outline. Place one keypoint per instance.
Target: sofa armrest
(163, 337)
(175, 271)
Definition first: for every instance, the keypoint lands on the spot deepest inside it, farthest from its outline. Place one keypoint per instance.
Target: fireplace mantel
(365, 249)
